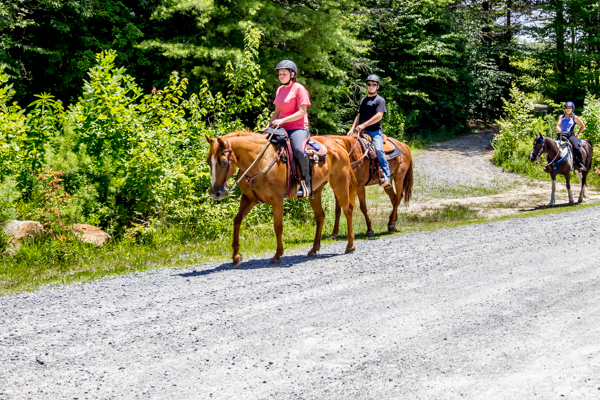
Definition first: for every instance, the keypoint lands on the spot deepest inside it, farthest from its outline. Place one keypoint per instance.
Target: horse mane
(241, 133)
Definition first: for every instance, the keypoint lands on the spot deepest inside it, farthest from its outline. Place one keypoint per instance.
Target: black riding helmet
(374, 78)
(287, 64)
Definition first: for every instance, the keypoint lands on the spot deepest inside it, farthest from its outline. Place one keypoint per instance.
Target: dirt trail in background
(460, 172)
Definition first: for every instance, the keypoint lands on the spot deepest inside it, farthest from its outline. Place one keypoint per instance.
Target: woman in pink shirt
(291, 102)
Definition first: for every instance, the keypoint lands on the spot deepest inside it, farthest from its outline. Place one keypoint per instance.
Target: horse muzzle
(218, 193)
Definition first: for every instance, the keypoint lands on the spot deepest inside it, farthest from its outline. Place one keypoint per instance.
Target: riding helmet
(287, 64)
(570, 104)
(374, 78)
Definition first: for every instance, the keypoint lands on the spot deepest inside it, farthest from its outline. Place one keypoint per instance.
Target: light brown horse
(240, 149)
(401, 170)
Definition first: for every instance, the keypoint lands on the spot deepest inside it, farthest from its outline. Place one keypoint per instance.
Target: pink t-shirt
(288, 100)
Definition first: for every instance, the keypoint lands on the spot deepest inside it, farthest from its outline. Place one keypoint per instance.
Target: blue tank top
(568, 124)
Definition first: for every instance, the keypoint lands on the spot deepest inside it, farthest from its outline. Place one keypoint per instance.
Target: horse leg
(583, 178)
(395, 198)
(336, 225)
(568, 179)
(363, 207)
(341, 190)
(553, 195)
(278, 225)
(245, 206)
(319, 219)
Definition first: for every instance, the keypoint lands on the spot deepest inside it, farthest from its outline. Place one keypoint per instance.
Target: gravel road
(502, 310)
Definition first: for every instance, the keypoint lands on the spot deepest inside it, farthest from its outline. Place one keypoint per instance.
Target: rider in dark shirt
(368, 120)
(566, 127)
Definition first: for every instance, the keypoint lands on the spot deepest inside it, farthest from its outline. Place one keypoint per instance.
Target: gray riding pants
(298, 137)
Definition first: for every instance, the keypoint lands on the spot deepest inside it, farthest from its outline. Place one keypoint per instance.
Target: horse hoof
(392, 228)
(311, 255)
(237, 261)
(274, 261)
(370, 234)
(350, 250)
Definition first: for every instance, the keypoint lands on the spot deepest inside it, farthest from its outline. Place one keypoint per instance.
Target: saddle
(389, 148)
(565, 155)
(280, 139)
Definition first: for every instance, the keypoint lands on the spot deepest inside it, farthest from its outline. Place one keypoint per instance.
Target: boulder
(20, 231)
(90, 234)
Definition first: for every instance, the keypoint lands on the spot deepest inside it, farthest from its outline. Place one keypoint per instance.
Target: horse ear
(222, 142)
(208, 139)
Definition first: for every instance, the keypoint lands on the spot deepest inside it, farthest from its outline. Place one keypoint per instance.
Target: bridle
(231, 157)
(542, 149)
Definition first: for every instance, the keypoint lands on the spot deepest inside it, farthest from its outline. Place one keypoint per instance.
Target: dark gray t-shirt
(369, 106)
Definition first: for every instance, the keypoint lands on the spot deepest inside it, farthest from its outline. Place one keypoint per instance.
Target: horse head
(222, 166)
(539, 146)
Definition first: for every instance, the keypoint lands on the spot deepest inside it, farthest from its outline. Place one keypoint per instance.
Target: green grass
(48, 262)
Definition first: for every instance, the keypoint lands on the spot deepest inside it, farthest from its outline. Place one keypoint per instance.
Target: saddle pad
(565, 150)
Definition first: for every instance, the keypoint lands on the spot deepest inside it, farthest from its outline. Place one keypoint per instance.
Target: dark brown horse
(401, 170)
(268, 178)
(557, 165)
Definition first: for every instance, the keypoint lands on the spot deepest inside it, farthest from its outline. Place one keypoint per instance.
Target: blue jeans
(377, 137)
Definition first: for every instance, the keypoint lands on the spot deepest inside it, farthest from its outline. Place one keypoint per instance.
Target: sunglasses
(372, 84)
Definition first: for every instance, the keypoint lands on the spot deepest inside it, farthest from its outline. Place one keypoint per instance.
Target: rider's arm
(374, 119)
(558, 128)
(273, 118)
(579, 122)
(353, 124)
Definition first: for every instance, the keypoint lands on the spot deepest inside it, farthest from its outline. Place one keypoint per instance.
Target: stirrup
(302, 193)
(581, 168)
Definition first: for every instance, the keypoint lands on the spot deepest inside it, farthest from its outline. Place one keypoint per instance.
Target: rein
(231, 157)
(365, 153)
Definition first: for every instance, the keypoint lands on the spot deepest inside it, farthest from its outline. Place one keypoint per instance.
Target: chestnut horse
(268, 183)
(401, 170)
(543, 144)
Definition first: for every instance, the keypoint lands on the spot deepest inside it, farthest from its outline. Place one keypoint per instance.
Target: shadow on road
(544, 207)
(286, 262)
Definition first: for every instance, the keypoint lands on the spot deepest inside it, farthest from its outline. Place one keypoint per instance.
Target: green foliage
(119, 155)
(591, 117)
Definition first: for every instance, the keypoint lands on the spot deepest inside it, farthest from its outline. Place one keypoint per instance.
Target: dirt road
(501, 310)
(460, 172)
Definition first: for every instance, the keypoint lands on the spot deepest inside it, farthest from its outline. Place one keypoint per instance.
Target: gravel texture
(460, 167)
(503, 310)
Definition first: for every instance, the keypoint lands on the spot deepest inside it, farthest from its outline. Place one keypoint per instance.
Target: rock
(22, 230)
(90, 234)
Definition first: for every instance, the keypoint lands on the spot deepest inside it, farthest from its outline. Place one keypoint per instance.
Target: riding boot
(305, 188)
(578, 160)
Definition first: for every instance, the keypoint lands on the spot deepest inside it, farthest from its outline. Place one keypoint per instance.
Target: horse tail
(408, 184)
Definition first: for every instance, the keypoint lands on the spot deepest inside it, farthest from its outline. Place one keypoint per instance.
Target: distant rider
(291, 101)
(566, 126)
(368, 120)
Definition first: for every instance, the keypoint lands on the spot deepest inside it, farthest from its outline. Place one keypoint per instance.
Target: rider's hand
(359, 128)
(277, 122)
